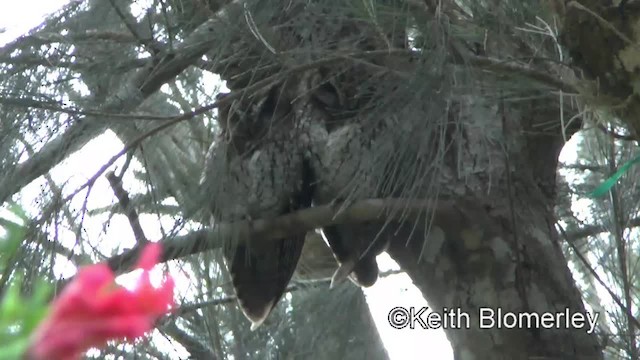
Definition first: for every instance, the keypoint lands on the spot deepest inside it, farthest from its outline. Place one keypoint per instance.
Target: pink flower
(93, 309)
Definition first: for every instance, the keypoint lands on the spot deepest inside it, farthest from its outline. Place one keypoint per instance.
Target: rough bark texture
(500, 250)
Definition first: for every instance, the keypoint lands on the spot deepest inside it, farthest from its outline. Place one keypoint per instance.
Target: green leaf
(19, 315)
(14, 350)
(11, 305)
(613, 179)
(37, 306)
(15, 234)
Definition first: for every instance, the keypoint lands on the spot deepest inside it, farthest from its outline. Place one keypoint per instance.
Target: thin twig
(595, 275)
(127, 208)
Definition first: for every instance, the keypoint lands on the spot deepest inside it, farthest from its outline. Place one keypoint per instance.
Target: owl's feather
(259, 172)
(345, 158)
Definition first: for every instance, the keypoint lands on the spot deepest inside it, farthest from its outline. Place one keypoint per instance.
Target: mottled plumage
(257, 169)
(385, 140)
(344, 174)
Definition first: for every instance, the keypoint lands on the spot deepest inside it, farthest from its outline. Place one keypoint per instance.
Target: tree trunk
(498, 249)
(477, 267)
(353, 336)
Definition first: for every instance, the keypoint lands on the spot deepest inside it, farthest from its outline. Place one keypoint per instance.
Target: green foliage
(14, 234)
(19, 315)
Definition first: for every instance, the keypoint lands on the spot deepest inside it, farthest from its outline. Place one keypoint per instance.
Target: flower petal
(93, 309)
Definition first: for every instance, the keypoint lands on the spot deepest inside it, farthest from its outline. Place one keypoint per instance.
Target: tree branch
(196, 348)
(146, 81)
(595, 275)
(272, 229)
(127, 208)
(592, 230)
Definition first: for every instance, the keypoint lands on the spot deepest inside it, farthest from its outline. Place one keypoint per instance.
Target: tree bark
(477, 267)
(497, 248)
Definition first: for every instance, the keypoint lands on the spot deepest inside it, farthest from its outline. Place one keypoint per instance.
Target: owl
(343, 176)
(257, 169)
